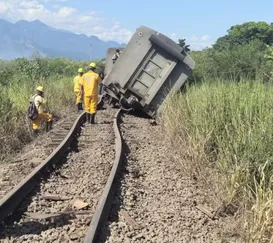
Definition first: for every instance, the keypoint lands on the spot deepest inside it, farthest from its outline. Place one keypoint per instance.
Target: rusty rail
(13, 198)
(10, 201)
(104, 204)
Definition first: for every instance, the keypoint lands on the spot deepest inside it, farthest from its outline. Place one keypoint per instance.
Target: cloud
(195, 42)
(56, 6)
(201, 38)
(3, 7)
(63, 17)
(173, 36)
(194, 38)
(66, 12)
(198, 46)
(48, 1)
(29, 5)
(205, 37)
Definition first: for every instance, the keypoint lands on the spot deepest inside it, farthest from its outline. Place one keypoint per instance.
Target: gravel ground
(156, 203)
(81, 179)
(13, 171)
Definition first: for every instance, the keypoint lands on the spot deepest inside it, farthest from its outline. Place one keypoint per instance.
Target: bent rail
(11, 200)
(103, 207)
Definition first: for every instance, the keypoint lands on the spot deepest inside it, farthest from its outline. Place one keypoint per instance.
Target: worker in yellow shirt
(40, 103)
(90, 91)
(77, 89)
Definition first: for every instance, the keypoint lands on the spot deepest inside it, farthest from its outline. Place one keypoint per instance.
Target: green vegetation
(244, 34)
(245, 52)
(223, 120)
(18, 80)
(226, 129)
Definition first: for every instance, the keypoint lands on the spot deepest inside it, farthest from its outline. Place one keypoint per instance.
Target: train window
(146, 79)
(160, 59)
(140, 87)
(153, 69)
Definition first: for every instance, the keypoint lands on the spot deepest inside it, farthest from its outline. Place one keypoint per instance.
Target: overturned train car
(149, 68)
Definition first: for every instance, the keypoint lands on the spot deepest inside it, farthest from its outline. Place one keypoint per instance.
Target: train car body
(108, 61)
(149, 68)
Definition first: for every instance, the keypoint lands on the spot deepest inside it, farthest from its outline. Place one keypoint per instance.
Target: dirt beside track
(75, 187)
(13, 170)
(156, 203)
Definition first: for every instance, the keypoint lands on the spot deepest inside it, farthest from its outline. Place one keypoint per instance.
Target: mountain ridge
(23, 38)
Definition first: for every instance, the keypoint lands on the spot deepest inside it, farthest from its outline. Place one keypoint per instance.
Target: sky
(201, 22)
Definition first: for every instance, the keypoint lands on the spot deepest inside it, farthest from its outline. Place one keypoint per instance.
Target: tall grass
(18, 81)
(16, 127)
(225, 134)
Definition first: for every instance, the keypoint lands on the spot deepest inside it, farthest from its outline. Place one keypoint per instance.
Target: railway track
(155, 201)
(67, 196)
(83, 193)
(34, 154)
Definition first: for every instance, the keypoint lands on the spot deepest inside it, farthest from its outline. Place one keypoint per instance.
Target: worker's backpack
(32, 110)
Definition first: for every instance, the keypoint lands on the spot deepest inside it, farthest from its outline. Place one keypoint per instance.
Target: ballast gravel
(156, 203)
(78, 182)
(13, 170)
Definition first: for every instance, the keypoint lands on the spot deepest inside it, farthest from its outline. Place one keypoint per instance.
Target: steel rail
(104, 204)
(14, 197)
(10, 201)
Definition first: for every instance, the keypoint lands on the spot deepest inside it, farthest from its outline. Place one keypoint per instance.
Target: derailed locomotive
(149, 68)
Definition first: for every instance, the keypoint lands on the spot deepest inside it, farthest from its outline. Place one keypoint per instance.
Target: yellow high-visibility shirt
(90, 83)
(39, 102)
(77, 83)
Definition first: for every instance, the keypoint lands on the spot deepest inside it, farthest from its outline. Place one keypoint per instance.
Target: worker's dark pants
(100, 89)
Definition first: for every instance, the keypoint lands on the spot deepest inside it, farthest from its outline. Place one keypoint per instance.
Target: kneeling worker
(77, 89)
(90, 83)
(40, 103)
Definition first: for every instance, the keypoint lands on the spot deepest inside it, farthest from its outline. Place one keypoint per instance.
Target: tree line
(246, 51)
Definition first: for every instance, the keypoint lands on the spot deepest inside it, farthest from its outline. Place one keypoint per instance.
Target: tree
(244, 34)
(268, 60)
(182, 43)
(269, 53)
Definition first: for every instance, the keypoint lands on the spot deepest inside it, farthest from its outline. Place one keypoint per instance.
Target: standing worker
(77, 89)
(40, 102)
(116, 55)
(90, 83)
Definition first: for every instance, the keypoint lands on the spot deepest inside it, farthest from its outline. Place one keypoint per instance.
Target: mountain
(24, 38)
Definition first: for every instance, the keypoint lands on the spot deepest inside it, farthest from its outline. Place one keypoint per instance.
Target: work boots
(49, 125)
(88, 117)
(35, 132)
(79, 107)
(93, 118)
